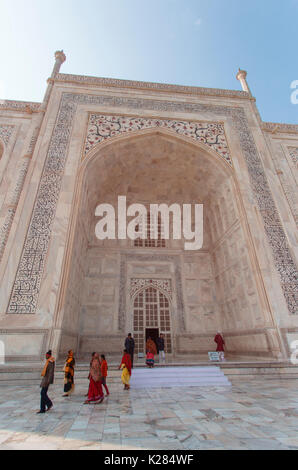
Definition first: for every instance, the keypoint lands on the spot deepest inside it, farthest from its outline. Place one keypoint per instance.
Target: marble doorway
(151, 310)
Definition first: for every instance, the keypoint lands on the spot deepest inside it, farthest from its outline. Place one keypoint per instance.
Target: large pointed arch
(115, 165)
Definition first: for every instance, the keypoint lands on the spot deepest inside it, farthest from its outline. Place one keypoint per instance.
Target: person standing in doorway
(48, 379)
(129, 345)
(161, 348)
(151, 346)
(220, 345)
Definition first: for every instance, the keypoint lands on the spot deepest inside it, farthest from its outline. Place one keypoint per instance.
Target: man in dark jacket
(130, 346)
(47, 379)
(161, 348)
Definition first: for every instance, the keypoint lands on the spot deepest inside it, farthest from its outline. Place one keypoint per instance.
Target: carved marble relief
(5, 132)
(294, 155)
(102, 127)
(137, 284)
(25, 291)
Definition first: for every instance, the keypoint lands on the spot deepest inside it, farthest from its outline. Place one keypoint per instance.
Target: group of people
(98, 370)
(128, 356)
(152, 350)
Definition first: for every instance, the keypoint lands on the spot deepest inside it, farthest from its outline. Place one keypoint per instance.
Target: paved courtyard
(255, 414)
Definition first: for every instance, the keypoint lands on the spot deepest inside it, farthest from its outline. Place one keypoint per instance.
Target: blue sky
(187, 42)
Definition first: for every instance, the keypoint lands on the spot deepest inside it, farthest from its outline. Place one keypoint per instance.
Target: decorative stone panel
(5, 132)
(102, 127)
(138, 284)
(294, 155)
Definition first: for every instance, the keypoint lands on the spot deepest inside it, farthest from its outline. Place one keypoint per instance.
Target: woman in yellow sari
(69, 374)
(126, 369)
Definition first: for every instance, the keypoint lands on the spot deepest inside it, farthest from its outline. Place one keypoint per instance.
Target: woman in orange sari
(69, 374)
(151, 346)
(126, 369)
(95, 393)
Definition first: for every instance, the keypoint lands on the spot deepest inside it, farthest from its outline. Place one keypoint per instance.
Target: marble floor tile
(262, 444)
(252, 414)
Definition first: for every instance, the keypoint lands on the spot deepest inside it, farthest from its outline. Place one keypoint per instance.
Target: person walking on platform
(95, 393)
(126, 369)
(104, 373)
(47, 379)
(69, 374)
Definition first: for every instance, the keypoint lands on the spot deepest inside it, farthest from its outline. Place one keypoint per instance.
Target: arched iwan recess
(213, 288)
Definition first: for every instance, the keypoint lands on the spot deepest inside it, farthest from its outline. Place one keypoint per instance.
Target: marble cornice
(276, 127)
(22, 106)
(150, 86)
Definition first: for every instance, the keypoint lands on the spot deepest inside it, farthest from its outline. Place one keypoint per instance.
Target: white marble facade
(94, 139)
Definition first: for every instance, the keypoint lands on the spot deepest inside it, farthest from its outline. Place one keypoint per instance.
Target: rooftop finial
(59, 55)
(241, 76)
(60, 58)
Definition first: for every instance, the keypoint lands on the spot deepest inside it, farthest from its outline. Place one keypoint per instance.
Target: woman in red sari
(220, 345)
(95, 393)
(126, 369)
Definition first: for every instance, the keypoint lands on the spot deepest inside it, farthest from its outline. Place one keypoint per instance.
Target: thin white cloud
(198, 22)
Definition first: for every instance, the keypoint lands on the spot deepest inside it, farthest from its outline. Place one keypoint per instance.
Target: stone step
(178, 377)
(27, 373)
